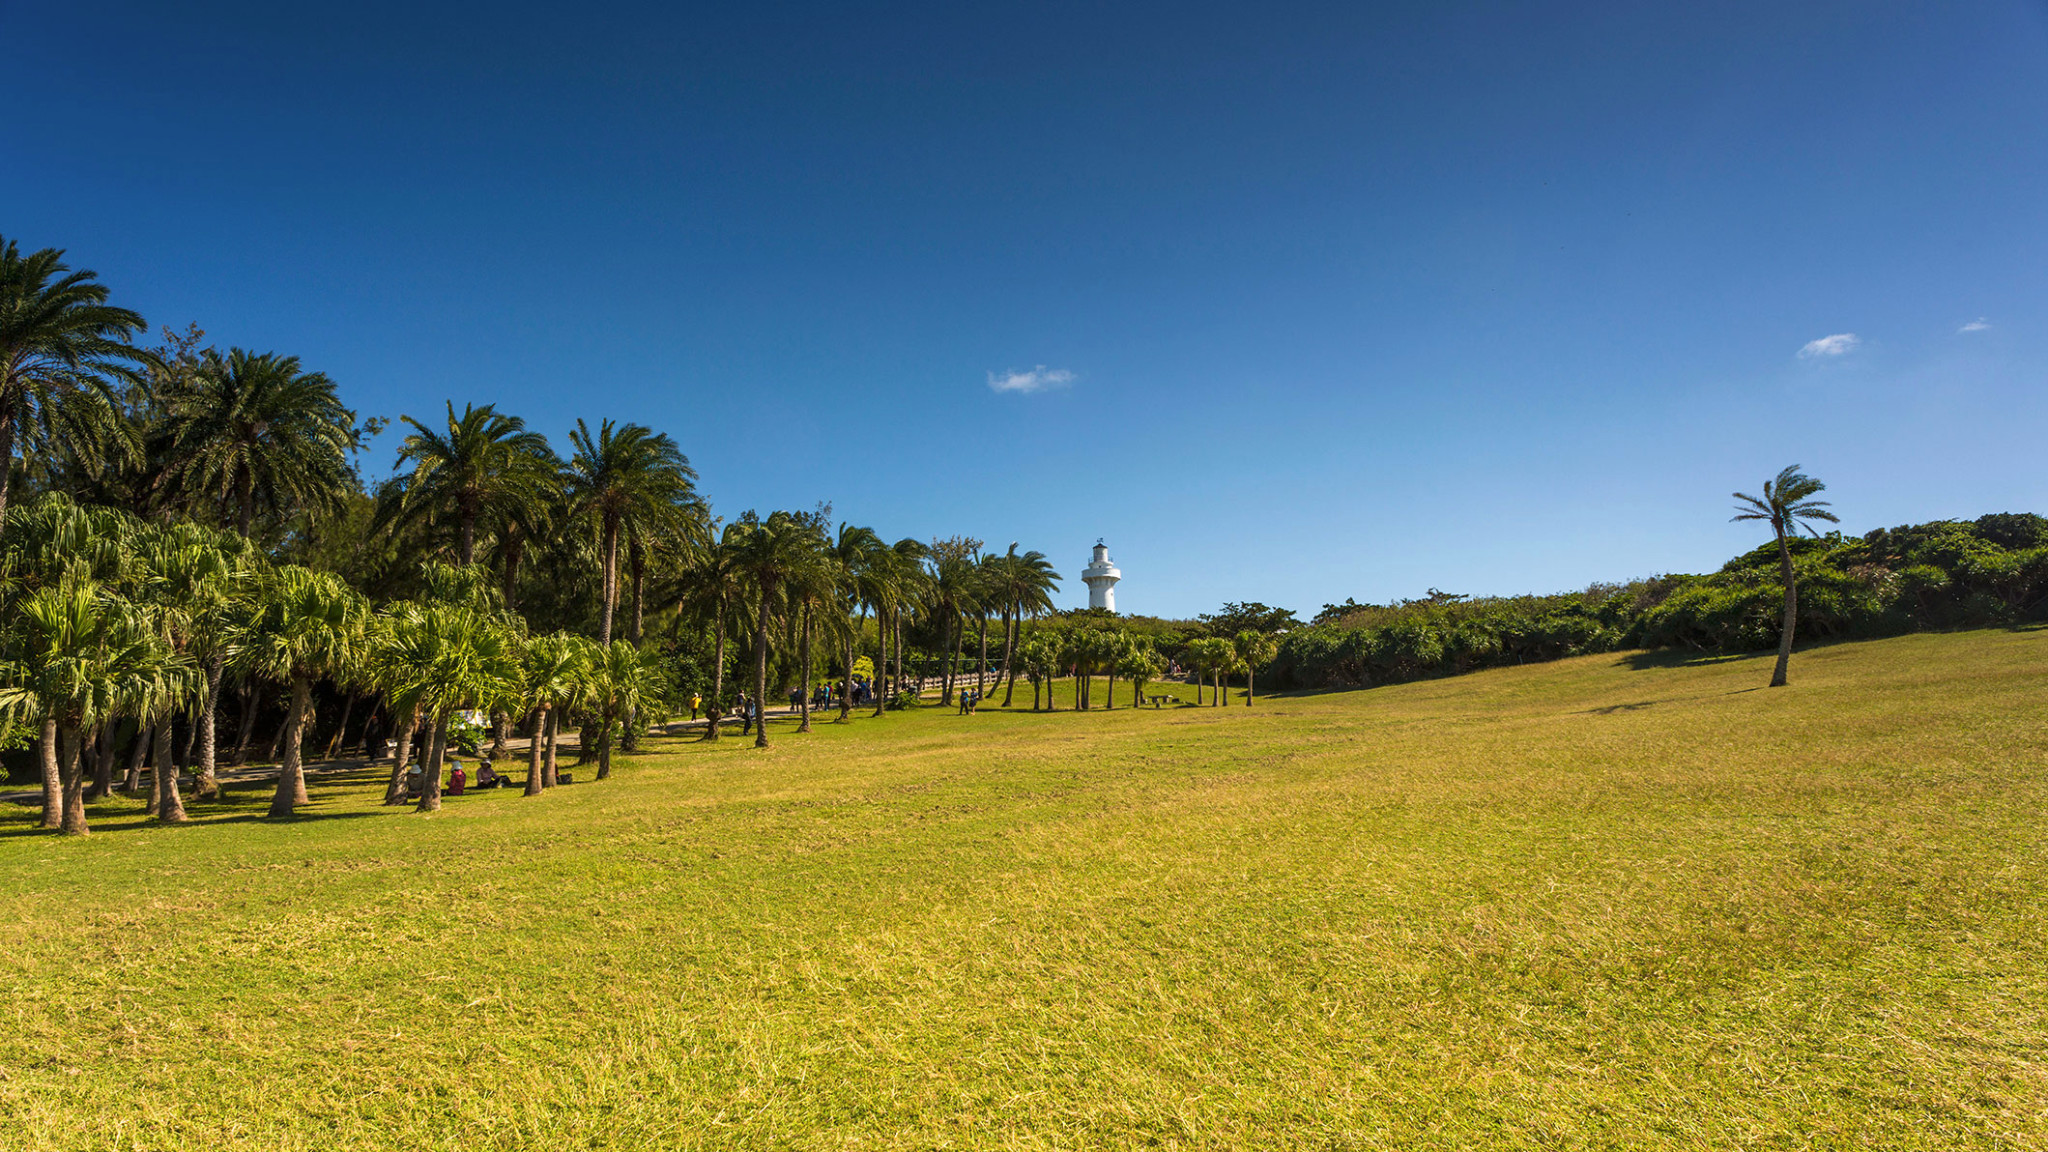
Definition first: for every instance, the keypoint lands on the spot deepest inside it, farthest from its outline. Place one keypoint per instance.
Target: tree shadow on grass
(1686, 658)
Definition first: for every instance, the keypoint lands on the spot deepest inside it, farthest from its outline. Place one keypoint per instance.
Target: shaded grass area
(1585, 904)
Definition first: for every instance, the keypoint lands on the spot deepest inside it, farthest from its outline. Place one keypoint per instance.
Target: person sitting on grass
(415, 780)
(457, 779)
(487, 777)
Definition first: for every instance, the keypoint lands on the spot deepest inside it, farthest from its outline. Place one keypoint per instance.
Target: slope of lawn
(1627, 902)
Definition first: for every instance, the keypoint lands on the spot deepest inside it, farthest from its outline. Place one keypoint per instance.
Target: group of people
(970, 699)
(458, 779)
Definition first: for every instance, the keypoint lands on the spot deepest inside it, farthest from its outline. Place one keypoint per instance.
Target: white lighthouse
(1101, 576)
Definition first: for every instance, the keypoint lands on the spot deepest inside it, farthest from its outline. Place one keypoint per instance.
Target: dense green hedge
(1945, 574)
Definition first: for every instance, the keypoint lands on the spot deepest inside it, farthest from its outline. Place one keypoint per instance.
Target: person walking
(696, 699)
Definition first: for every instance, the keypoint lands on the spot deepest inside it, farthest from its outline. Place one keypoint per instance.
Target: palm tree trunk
(138, 750)
(846, 683)
(102, 763)
(437, 752)
(760, 701)
(7, 412)
(1010, 627)
(335, 742)
(53, 776)
(610, 579)
(803, 706)
(717, 701)
(1248, 685)
(535, 746)
(170, 806)
(501, 730)
(250, 700)
(1791, 614)
(604, 746)
(981, 661)
(950, 637)
(72, 772)
(291, 772)
(548, 776)
(246, 514)
(160, 751)
(208, 784)
(401, 756)
(467, 553)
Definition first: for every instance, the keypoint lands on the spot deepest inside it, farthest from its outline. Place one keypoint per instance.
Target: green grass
(1611, 902)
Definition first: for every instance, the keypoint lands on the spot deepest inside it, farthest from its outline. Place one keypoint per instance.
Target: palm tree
(487, 467)
(858, 557)
(80, 656)
(618, 681)
(1788, 505)
(1253, 649)
(189, 576)
(1139, 665)
(254, 431)
(62, 347)
(622, 476)
(952, 588)
(552, 670)
(306, 626)
(444, 657)
(712, 586)
(769, 552)
(1024, 587)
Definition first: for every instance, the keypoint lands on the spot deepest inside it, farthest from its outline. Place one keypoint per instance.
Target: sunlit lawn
(1603, 903)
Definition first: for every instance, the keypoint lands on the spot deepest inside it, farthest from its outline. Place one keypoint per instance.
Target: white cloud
(1980, 324)
(1840, 344)
(1036, 380)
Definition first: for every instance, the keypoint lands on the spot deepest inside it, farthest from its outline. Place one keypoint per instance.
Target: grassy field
(1629, 902)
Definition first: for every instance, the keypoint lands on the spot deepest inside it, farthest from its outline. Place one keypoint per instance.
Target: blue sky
(1325, 300)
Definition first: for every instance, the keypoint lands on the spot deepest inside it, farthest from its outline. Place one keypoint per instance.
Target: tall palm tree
(1788, 504)
(306, 626)
(855, 555)
(62, 350)
(1024, 585)
(252, 432)
(485, 468)
(953, 588)
(619, 476)
(711, 588)
(769, 552)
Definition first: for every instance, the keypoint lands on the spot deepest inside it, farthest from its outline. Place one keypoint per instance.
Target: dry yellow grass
(1626, 903)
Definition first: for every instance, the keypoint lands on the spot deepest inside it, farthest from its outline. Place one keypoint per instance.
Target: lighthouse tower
(1101, 576)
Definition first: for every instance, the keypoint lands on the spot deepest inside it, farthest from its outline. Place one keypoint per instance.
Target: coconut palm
(250, 432)
(620, 476)
(953, 587)
(485, 468)
(1024, 584)
(857, 555)
(305, 626)
(1788, 505)
(1253, 650)
(63, 349)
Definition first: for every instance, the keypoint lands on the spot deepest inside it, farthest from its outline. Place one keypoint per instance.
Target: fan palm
(252, 431)
(62, 348)
(620, 680)
(1788, 504)
(486, 467)
(623, 475)
(711, 587)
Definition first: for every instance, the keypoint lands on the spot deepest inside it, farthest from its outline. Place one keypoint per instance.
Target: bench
(1161, 699)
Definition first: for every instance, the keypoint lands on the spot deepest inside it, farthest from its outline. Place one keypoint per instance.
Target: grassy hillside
(1607, 902)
